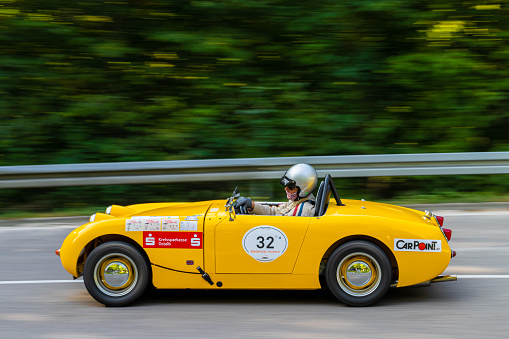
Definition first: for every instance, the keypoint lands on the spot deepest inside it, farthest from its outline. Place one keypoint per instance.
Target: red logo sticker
(172, 240)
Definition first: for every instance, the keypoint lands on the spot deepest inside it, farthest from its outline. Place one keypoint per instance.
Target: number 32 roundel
(265, 243)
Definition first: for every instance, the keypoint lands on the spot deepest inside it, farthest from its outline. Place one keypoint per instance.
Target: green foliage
(105, 81)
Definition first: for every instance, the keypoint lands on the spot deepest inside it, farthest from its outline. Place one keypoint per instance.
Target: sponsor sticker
(192, 217)
(265, 243)
(187, 240)
(150, 216)
(170, 224)
(151, 224)
(417, 245)
(133, 225)
(186, 225)
(215, 209)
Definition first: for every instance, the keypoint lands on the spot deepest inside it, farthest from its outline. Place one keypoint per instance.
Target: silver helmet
(302, 176)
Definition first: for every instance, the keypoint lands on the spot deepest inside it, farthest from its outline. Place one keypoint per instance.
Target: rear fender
(390, 255)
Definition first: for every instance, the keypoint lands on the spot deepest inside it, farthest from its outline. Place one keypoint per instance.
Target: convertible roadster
(356, 249)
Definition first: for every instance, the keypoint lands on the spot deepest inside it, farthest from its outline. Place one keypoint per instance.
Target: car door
(259, 244)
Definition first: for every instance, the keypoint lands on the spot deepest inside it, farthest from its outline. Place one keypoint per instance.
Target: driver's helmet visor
(285, 181)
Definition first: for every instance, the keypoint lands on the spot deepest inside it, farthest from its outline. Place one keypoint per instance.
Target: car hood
(166, 209)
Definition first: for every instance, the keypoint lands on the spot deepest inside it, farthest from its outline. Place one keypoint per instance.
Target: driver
(299, 181)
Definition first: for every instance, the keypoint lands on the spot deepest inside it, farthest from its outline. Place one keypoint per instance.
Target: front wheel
(358, 273)
(116, 274)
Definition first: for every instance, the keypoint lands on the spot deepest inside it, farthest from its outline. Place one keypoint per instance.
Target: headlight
(92, 218)
(108, 210)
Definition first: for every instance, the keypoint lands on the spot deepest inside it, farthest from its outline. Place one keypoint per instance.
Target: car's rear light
(440, 220)
(57, 252)
(453, 254)
(448, 233)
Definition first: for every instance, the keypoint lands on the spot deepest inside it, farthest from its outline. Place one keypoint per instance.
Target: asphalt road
(38, 298)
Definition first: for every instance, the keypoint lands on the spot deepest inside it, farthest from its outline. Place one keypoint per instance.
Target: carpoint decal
(172, 239)
(417, 245)
(265, 243)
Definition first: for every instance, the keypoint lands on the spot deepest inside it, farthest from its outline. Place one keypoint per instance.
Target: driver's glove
(245, 202)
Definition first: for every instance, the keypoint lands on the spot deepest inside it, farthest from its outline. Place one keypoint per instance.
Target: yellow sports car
(357, 249)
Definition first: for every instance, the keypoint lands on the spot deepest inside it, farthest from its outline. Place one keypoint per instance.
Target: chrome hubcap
(358, 274)
(115, 274)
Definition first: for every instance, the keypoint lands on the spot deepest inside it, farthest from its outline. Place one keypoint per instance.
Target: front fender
(76, 241)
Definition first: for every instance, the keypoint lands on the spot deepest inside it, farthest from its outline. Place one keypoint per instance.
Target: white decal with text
(186, 225)
(170, 224)
(417, 245)
(133, 225)
(265, 243)
(151, 224)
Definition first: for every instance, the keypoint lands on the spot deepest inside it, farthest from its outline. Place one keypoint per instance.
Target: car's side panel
(166, 279)
(180, 259)
(269, 281)
(232, 254)
(180, 249)
(215, 218)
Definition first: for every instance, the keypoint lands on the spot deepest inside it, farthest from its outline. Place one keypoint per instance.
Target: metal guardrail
(251, 169)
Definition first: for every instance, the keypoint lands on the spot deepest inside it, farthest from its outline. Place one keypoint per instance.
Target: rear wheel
(358, 273)
(116, 274)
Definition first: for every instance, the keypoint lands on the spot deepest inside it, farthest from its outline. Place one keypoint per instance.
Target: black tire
(358, 273)
(116, 274)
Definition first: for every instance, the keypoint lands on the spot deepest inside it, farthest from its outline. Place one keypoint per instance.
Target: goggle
(288, 182)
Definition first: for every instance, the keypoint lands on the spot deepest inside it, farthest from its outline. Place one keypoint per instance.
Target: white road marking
(20, 282)
(487, 248)
(494, 276)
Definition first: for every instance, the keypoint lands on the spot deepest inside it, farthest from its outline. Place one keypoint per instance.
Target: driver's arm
(262, 209)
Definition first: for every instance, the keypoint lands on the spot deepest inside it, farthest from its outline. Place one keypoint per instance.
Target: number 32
(262, 242)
